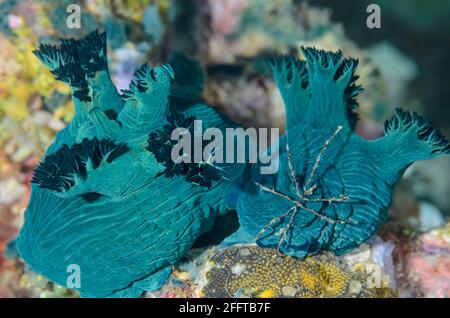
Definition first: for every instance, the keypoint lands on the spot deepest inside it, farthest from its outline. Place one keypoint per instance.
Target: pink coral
(14, 21)
(225, 19)
(225, 15)
(431, 274)
(428, 266)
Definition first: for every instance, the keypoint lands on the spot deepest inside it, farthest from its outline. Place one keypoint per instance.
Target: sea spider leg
(291, 169)
(298, 204)
(275, 220)
(275, 192)
(319, 157)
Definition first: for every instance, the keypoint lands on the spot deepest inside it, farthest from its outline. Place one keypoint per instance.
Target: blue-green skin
(317, 102)
(127, 241)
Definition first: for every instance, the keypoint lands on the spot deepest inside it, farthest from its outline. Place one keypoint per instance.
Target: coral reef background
(405, 63)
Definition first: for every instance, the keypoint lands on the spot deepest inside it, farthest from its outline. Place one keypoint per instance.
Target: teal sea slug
(106, 197)
(333, 188)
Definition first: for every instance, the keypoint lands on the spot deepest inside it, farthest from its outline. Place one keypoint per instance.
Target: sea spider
(304, 194)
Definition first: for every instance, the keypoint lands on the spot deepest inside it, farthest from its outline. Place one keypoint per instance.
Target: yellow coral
(26, 77)
(333, 280)
(268, 293)
(24, 81)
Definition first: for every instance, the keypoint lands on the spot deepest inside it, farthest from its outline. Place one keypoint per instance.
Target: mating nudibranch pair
(108, 198)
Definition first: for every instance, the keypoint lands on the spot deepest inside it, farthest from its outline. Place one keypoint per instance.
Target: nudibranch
(106, 197)
(333, 188)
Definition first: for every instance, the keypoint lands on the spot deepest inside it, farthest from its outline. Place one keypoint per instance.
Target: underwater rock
(333, 188)
(429, 181)
(407, 210)
(124, 62)
(375, 258)
(430, 217)
(104, 197)
(11, 190)
(254, 102)
(9, 280)
(395, 66)
(39, 286)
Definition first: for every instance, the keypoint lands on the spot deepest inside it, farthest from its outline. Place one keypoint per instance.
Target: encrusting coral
(102, 198)
(251, 271)
(333, 188)
(266, 273)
